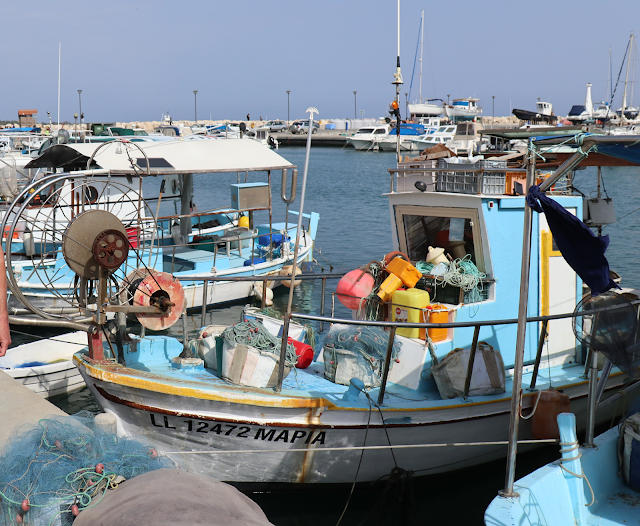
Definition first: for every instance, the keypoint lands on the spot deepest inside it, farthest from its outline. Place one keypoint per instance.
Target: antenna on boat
(397, 80)
(287, 317)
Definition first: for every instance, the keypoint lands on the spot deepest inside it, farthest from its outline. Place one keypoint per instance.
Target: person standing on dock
(248, 117)
(5, 334)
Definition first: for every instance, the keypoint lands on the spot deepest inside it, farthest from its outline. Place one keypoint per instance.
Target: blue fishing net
(254, 334)
(371, 342)
(65, 461)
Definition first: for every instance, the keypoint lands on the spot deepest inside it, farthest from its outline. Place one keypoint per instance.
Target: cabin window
(382, 131)
(455, 230)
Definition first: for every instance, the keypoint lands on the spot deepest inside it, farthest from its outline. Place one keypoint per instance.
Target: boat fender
(396, 253)
(287, 271)
(257, 292)
(175, 234)
(547, 406)
(353, 287)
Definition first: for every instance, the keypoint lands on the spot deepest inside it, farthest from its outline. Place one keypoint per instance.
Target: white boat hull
(461, 113)
(59, 376)
(230, 432)
(425, 110)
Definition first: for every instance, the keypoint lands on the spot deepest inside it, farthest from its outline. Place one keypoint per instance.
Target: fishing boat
(542, 115)
(46, 367)
(313, 428)
(190, 244)
(584, 486)
(463, 108)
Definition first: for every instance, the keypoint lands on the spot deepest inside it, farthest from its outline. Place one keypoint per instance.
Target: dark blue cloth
(583, 251)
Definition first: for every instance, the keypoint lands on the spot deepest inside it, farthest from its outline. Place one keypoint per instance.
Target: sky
(137, 59)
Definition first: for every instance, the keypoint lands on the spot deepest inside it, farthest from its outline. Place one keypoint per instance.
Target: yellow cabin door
(558, 285)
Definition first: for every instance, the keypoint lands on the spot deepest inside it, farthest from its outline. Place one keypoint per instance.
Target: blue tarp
(20, 130)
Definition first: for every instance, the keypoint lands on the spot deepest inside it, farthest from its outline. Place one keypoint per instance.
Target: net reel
(74, 240)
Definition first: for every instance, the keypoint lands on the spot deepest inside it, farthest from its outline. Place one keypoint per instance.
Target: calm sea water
(346, 188)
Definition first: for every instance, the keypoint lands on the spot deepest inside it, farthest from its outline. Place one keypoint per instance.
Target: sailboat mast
(59, 62)
(624, 95)
(421, 49)
(633, 71)
(397, 80)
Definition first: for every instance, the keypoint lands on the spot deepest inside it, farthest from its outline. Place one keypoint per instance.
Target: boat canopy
(179, 156)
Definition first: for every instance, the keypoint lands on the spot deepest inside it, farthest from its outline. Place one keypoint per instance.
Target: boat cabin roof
(174, 156)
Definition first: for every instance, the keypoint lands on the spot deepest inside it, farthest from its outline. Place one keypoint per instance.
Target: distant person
(5, 333)
(260, 118)
(248, 117)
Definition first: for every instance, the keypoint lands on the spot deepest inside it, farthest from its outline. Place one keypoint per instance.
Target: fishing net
(608, 323)
(370, 342)
(61, 462)
(254, 334)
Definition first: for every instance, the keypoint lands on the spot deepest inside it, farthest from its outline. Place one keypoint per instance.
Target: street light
(288, 119)
(406, 105)
(493, 110)
(448, 99)
(195, 103)
(355, 105)
(80, 101)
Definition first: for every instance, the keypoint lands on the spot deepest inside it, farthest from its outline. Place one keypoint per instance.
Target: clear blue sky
(136, 59)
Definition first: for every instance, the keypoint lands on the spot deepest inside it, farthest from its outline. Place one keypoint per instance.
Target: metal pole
(472, 358)
(288, 117)
(516, 396)
(205, 287)
(195, 102)
(493, 111)
(287, 317)
(80, 103)
(387, 361)
(355, 105)
(592, 402)
(406, 105)
(536, 367)
(322, 294)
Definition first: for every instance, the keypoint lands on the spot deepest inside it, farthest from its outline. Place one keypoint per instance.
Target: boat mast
(59, 62)
(624, 94)
(397, 80)
(421, 50)
(633, 71)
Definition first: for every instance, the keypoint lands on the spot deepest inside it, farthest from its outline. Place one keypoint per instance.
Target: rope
(357, 448)
(464, 274)
(573, 446)
(534, 408)
(254, 334)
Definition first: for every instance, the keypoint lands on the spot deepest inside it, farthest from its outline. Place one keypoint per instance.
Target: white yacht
(441, 136)
(463, 108)
(368, 138)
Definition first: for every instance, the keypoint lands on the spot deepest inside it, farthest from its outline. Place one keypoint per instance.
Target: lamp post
(448, 99)
(195, 105)
(80, 103)
(355, 105)
(75, 126)
(406, 105)
(493, 110)
(288, 119)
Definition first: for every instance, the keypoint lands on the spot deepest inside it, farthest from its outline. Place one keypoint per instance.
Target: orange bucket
(439, 314)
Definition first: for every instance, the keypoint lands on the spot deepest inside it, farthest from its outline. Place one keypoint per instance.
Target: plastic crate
(490, 183)
(494, 183)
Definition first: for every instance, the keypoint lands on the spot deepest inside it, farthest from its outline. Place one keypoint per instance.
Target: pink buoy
(25, 505)
(75, 511)
(353, 287)
(153, 453)
(99, 468)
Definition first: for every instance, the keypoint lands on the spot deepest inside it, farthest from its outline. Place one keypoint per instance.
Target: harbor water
(347, 189)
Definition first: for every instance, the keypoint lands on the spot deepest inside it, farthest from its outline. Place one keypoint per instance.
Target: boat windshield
(380, 131)
(365, 130)
(454, 229)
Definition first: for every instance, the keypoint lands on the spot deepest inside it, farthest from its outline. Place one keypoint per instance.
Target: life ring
(396, 253)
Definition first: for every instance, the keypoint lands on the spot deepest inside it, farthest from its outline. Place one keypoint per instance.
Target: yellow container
(407, 307)
(405, 271)
(388, 287)
(438, 314)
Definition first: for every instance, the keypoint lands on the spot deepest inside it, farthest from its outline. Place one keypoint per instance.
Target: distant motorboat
(543, 114)
(389, 143)
(368, 138)
(463, 108)
(441, 136)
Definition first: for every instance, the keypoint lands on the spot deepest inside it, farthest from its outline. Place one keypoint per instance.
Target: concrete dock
(19, 405)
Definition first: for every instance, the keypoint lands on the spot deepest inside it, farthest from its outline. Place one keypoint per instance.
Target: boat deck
(622, 507)
(150, 365)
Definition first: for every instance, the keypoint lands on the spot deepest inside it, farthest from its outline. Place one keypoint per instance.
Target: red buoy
(25, 505)
(153, 453)
(18, 518)
(99, 468)
(74, 510)
(304, 353)
(58, 444)
(353, 287)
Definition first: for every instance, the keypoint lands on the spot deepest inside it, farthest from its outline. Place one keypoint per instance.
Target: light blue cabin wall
(502, 227)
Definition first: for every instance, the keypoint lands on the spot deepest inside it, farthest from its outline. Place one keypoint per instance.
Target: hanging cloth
(583, 251)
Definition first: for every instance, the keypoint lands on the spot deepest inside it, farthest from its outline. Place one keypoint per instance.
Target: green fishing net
(66, 461)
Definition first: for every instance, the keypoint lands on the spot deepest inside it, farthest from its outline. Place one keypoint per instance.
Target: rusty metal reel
(79, 239)
(110, 249)
(161, 290)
